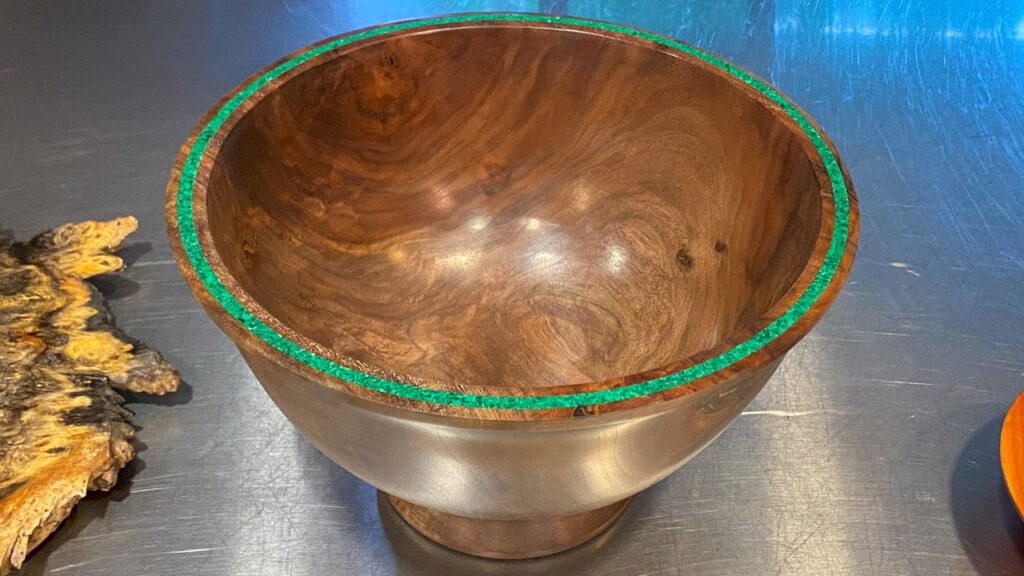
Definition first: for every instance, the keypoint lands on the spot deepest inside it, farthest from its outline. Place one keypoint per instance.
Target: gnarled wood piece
(62, 428)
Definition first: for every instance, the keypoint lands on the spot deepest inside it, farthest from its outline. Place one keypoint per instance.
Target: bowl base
(508, 539)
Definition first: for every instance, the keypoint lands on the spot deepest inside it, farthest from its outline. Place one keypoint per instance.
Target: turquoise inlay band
(195, 254)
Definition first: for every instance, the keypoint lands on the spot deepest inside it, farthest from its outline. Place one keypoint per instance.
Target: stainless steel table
(874, 449)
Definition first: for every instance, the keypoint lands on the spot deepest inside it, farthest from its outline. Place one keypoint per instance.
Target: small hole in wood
(684, 258)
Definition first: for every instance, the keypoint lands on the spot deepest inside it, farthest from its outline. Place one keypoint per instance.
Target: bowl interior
(513, 206)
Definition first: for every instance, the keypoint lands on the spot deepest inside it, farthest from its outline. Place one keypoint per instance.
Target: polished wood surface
(514, 207)
(508, 539)
(1011, 453)
(507, 209)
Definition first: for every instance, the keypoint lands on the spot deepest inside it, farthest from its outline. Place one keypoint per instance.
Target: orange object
(1011, 453)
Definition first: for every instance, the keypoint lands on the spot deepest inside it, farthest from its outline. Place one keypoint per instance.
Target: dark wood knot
(684, 258)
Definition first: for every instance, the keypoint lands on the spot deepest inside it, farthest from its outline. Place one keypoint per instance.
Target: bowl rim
(252, 326)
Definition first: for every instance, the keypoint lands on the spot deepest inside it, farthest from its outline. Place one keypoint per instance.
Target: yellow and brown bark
(62, 428)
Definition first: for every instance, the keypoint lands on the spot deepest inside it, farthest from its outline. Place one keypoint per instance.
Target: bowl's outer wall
(505, 469)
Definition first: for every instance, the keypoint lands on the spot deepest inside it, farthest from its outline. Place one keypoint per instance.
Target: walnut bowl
(510, 269)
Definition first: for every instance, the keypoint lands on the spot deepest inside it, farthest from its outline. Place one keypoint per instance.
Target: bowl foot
(508, 539)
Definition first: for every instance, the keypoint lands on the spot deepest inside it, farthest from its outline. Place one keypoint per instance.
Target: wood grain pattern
(511, 208)
(489, 217)
(62, 428)
(1011, 453)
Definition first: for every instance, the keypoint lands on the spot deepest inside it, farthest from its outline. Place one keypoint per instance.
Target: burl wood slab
(62, 428)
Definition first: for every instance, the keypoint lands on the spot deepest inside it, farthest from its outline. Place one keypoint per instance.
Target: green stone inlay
(744, 349)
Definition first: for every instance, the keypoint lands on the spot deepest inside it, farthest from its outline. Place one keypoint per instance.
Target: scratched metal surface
(873, 451)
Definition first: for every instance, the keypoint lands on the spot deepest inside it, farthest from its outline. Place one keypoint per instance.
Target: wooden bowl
(510, 269)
